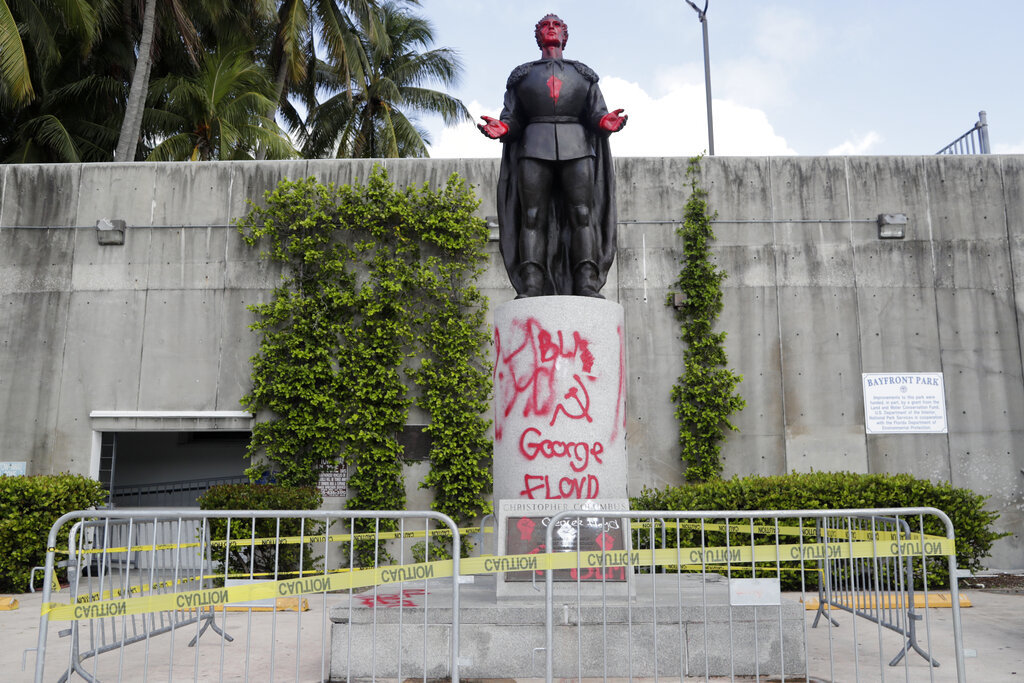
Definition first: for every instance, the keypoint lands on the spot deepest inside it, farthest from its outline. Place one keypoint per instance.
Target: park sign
(13, 468)
(904, 403)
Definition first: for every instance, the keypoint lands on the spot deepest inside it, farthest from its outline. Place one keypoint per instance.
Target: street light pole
(702, 15)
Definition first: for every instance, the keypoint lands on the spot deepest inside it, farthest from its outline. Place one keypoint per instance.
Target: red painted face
(550, 32)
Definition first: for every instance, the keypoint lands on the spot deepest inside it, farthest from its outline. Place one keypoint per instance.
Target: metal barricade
(879, 589)
(260, 595)
(707, 594)
(103, 565)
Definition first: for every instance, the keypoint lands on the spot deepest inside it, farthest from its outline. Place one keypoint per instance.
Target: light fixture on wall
(892, 226)
(492, 228)
(110, 232)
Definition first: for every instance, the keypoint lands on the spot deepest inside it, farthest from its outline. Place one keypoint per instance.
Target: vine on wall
(377, 295)
(705, 393)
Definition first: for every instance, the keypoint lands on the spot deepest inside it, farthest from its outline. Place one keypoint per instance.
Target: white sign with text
(13, 468)
(755, 592)
(904, 403)
(333, 481)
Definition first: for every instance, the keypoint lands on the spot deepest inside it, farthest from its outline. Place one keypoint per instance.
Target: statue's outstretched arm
(493, 128)
(613, 121)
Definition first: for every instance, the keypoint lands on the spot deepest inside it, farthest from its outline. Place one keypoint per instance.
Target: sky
(806, 77)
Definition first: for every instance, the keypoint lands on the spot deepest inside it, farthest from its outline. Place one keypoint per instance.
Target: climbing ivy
(704, 395)
(376, 311)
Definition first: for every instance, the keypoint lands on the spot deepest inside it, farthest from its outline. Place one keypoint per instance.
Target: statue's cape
(603, 213)
(520, 71)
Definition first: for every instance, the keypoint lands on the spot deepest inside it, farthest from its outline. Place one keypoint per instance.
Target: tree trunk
(282, 77)
(131, 127)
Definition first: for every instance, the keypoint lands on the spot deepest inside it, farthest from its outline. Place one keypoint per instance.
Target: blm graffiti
(560, 410)
(526, 536)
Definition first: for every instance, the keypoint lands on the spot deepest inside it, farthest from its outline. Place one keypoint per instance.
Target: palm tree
(303, 25)
(378, 94)
(185, 27)
(128, 140)
(15, 81)
(74, 100)
(217, 113)
(74, 118)
(49, 26)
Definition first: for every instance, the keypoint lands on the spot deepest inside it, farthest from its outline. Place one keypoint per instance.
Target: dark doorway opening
(169, 469)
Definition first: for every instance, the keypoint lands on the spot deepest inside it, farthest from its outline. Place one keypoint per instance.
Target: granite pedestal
(688, 618)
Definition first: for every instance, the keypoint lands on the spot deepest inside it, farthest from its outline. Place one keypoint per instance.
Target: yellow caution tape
(744, 527)
(280, 540)
(361, 578)
(736, 528)
(143, 588)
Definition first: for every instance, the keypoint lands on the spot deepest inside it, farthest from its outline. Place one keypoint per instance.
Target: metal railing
(168, 493)
(726, 594)
(102, 568)
(287, 586)
(366, 595)
(974, 141)
(878, 589)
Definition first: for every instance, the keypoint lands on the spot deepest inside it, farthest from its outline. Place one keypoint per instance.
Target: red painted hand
(613, 121)
(494, 129)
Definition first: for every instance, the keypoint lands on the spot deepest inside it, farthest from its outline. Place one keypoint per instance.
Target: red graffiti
(619, 401)
(599, 573)
(605, 542)
(525, 526)
(532, 444)
(554, 87)
(527, 375)
(402, 599)
(586, 486)
(582, 403)
(540, 549)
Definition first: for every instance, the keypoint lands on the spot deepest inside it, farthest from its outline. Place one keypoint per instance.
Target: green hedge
(28, 508)
(264, 497)
(972, 524)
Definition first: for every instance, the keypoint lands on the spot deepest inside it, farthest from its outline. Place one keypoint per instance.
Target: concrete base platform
(675, 625)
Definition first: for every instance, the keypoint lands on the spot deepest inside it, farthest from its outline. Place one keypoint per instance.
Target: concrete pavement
(992, 629)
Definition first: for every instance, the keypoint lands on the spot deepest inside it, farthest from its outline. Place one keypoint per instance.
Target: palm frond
(14, 73)
(451, 109)
(175, 148)
(382, 78)
(50, 133)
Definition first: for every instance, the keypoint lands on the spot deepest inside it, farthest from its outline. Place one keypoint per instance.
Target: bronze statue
(556, 189)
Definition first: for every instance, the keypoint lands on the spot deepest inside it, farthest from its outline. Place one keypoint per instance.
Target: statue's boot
(531, 256)
(532, 276)
(585, 280)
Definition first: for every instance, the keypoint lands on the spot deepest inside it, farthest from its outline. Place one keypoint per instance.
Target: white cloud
(1004, 148)
(786, 36)
(672, 124)
(854, 147)
(675, 124)
(465, 141)
(784, 42)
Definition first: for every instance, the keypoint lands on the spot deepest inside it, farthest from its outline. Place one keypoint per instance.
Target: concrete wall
(813, 299)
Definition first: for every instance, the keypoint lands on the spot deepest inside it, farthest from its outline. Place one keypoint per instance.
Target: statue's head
(550, 24)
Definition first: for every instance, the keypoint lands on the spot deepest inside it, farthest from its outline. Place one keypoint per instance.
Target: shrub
(28, 508)
(705, 395)
(838, 490)
(270, 559)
